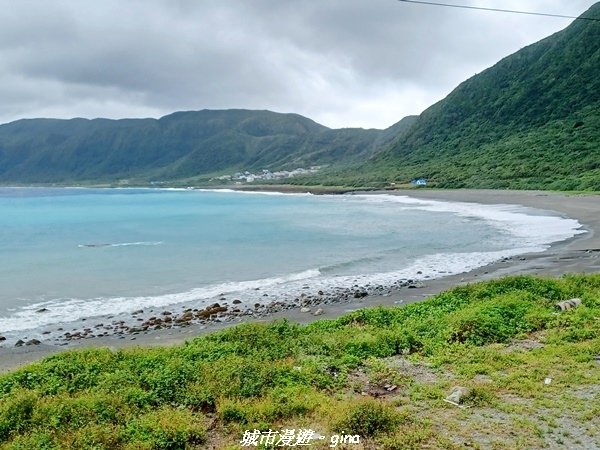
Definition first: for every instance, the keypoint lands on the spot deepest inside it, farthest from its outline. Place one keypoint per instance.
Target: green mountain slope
(178, 146)
(530, 121)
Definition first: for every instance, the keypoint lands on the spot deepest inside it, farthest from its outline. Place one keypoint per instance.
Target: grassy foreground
(379, 373)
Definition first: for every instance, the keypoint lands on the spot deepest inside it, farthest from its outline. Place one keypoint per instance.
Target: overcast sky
(343, 63)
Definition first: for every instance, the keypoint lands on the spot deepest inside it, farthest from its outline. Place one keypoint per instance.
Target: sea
(73, 253)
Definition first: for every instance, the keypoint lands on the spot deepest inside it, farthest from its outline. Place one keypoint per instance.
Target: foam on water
(537, 229)
(56, 311)
(271, 193)
(121, 244)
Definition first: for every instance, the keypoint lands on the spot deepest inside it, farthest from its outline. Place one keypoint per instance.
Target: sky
(343, 63)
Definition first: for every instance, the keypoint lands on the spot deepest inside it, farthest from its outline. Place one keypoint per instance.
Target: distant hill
(182, 145)
(530, 121)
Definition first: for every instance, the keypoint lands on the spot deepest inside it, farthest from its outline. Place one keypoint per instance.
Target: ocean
(76, 253)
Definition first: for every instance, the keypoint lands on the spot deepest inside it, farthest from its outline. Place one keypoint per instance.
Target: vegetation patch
(530, 373)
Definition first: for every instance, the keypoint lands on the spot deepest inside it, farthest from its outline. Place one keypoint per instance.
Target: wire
(595, 19)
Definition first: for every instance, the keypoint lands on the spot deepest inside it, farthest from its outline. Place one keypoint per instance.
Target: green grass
(330, 376)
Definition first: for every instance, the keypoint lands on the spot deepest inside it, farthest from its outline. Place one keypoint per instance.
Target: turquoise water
(86, 252)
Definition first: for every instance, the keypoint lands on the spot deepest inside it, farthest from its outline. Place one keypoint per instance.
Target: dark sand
(578, 255)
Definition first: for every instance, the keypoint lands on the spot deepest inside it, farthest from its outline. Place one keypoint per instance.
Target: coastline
(575, 255)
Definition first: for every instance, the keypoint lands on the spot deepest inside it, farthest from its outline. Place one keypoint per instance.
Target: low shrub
(166, 428)
(368, 418)
(491, 321)
(16, 413)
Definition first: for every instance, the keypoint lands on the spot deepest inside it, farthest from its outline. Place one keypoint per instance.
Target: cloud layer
(343, 63)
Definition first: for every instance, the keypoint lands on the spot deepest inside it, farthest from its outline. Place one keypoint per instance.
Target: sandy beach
(577, 255)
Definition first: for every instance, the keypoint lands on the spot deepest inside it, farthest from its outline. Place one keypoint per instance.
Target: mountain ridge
(532, 108)
(531, 121)
(179, 145)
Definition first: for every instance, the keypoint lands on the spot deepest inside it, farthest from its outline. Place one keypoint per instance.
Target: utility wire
(595, 19)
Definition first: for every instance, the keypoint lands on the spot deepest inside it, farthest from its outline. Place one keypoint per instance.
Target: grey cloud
(341, 62)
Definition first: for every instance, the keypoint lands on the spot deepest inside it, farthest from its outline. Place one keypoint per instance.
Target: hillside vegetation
(530, 121)
(530, 374)
(179, 146)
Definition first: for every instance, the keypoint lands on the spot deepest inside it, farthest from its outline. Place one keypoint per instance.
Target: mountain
(181, 145)
(530, 121)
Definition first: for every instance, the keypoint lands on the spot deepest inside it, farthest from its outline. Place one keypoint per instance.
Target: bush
(33, 441)
(16, 413)
(368, 418)
(492, 321)
(166, 428)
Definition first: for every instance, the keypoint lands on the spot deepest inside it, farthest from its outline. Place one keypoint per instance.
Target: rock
(185, 317)
(42, 310)
(2, 338)
(458, 395)
(19, 343)
(568, 304)
(360, 294)
(166, 313)
(139, 311)
(318, 312)
(305, 310)
(237, 302)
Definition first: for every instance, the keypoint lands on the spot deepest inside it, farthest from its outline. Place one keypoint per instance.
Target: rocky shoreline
(224, 311)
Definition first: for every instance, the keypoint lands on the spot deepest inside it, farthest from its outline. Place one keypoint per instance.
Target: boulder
(458, 395)
(568, 304)
(185, 317)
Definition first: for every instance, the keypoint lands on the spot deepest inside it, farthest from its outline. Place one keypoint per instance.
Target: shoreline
(575, 255)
